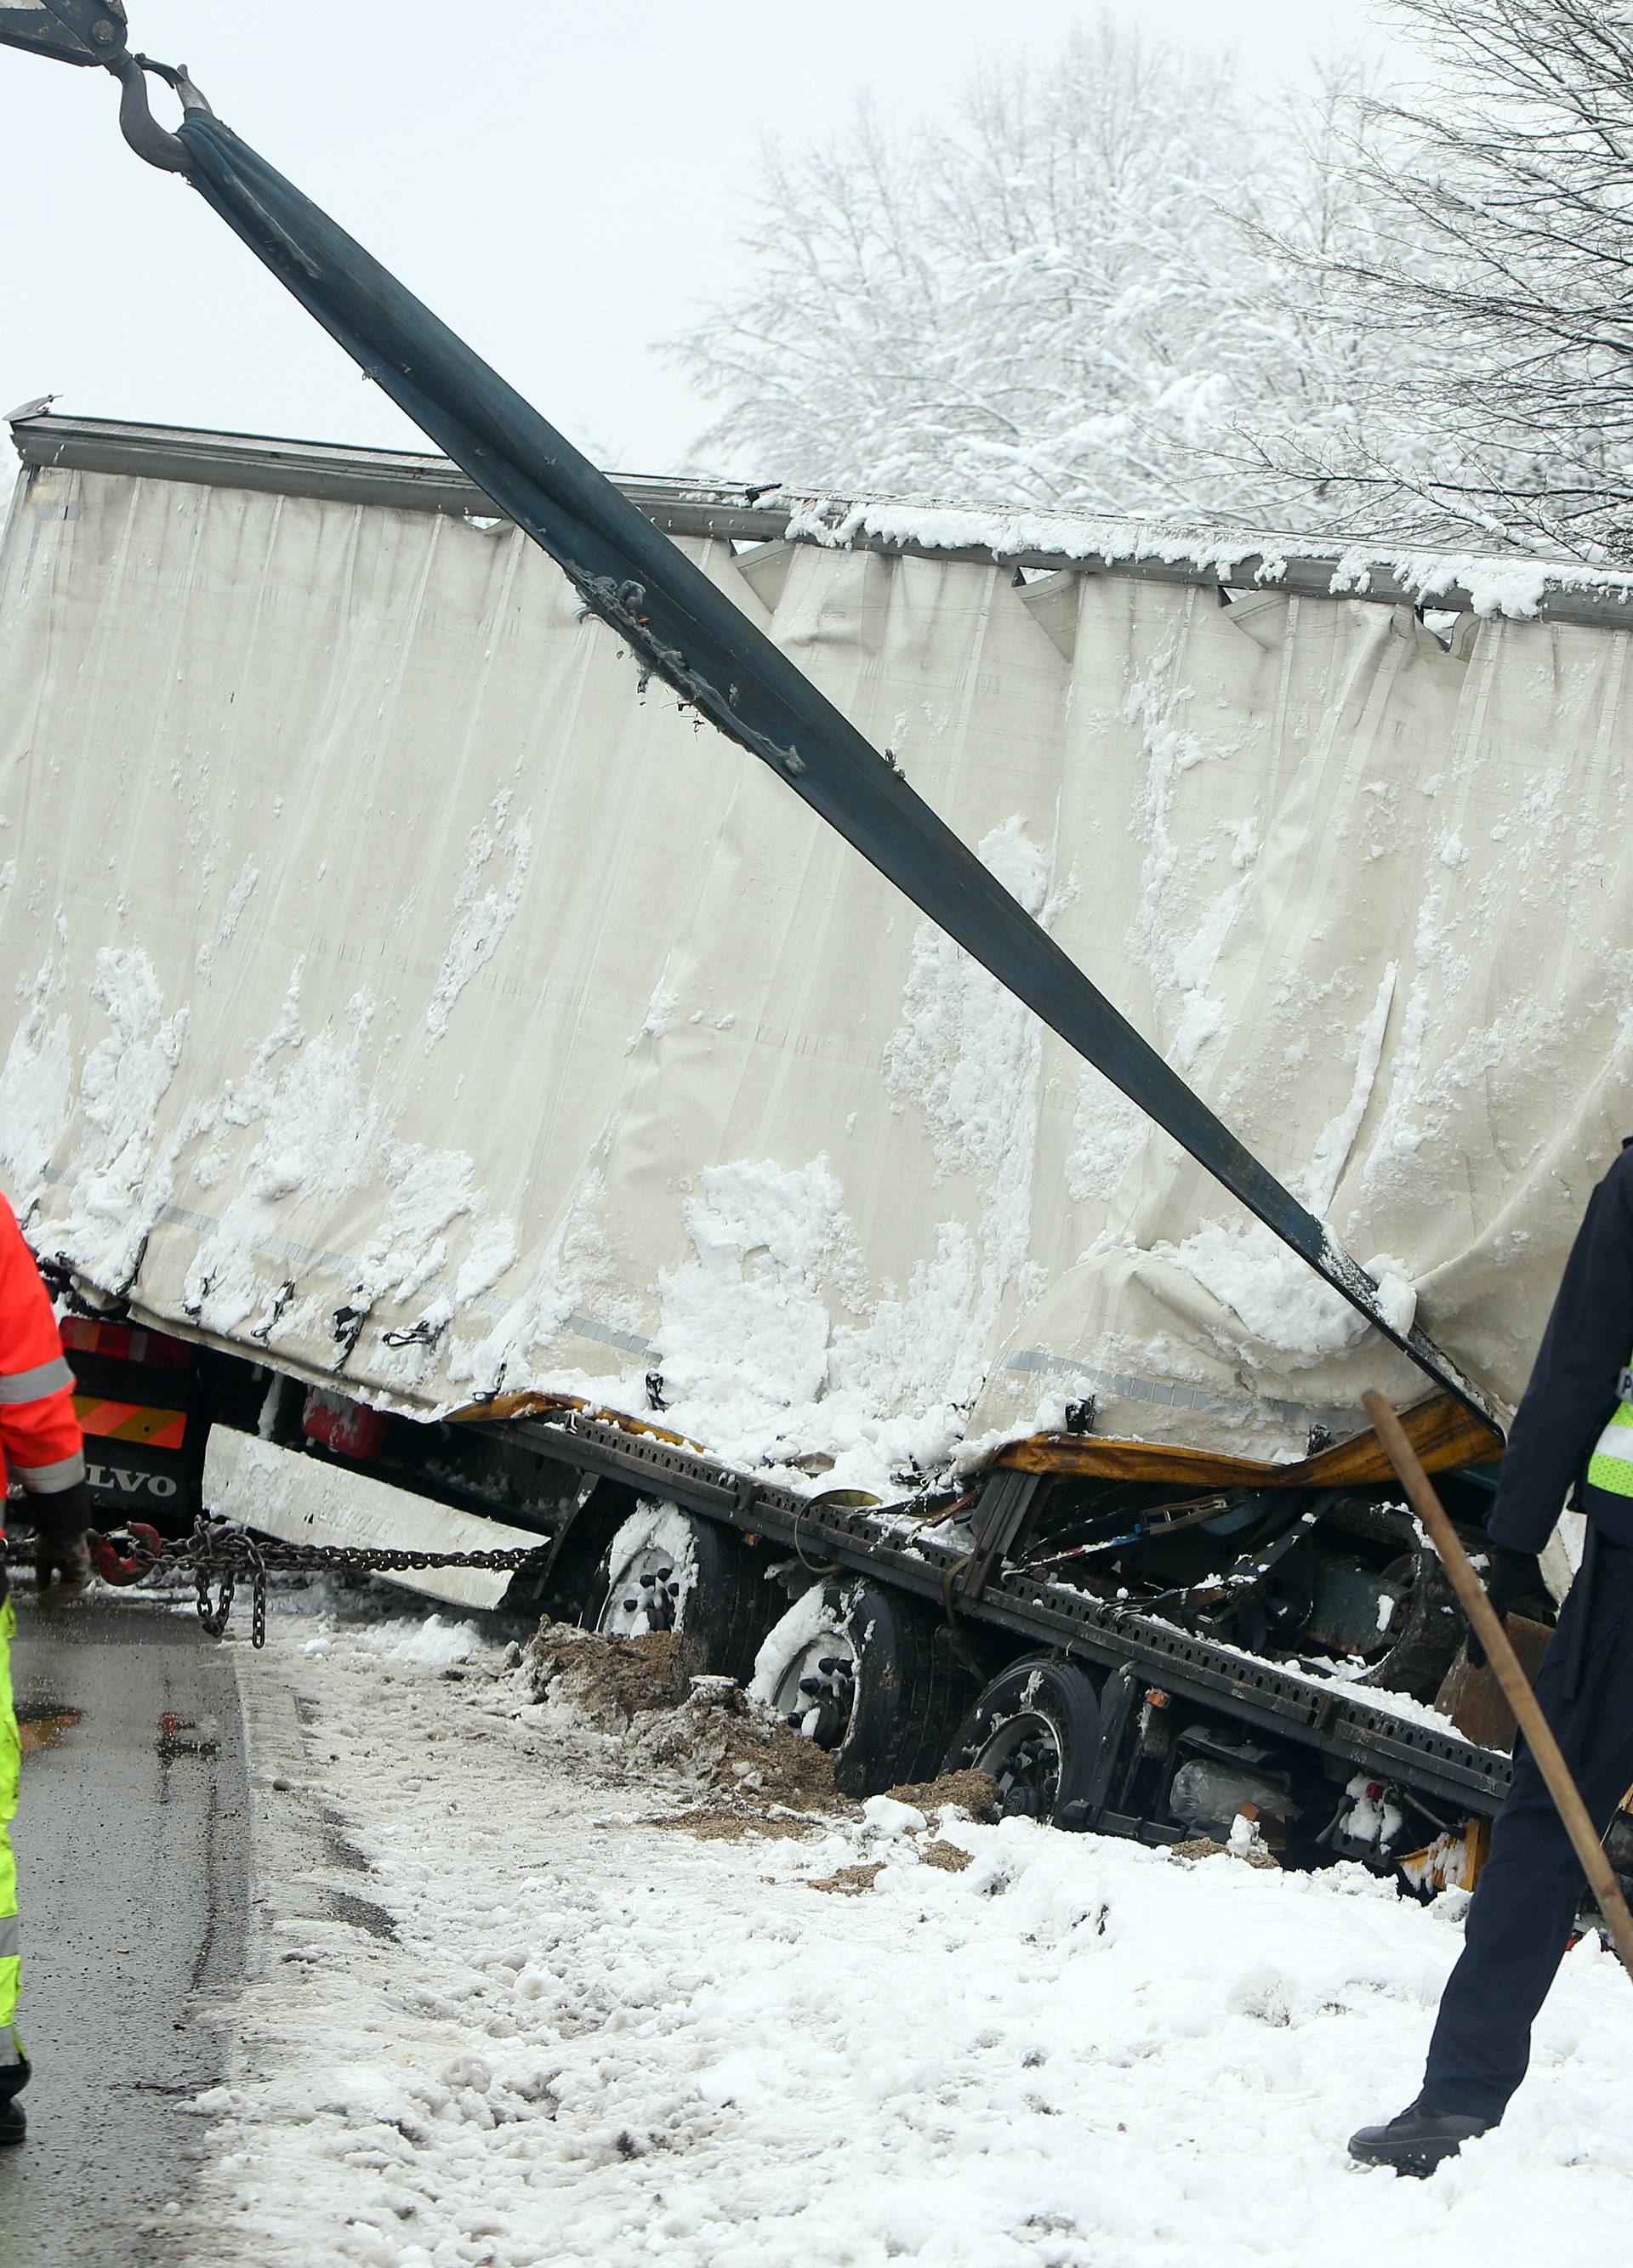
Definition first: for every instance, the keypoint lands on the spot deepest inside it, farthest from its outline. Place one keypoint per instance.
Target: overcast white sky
(561, 183)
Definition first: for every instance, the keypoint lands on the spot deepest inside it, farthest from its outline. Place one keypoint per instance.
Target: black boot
(13, 2125)
(1416, 2139)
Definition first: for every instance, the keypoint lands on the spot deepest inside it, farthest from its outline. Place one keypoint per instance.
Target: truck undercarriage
(1123, 1654)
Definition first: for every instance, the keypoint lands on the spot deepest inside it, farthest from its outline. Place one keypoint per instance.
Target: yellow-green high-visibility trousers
(10, 1759)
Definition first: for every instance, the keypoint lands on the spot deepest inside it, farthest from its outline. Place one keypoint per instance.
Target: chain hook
(119, 1567)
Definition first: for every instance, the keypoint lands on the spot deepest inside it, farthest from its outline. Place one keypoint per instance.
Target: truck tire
(1427, 1630)
(1035, 1729)
(666, 1569)
(864, 1671)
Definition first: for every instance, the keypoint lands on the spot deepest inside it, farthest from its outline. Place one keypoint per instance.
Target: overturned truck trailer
(450, 1094)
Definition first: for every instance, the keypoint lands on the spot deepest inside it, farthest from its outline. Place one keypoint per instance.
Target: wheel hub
(1024, 1756)
(816, 1692)
(644, 1597)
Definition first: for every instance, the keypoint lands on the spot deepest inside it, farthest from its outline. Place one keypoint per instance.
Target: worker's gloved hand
(62, 1554)
(1512, 1573)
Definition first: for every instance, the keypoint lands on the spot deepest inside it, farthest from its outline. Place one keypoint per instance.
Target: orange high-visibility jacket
(40, 1443)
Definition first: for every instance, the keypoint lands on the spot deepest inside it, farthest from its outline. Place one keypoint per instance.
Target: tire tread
(931, 1700)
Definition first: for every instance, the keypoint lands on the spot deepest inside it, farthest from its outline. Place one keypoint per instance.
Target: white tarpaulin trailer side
(401, 989)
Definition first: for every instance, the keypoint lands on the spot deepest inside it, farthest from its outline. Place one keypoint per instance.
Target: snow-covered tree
(1069, 292)
(1495, 388)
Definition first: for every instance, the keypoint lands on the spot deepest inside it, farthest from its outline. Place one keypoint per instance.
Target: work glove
(62, 1554)
(1512, 1574)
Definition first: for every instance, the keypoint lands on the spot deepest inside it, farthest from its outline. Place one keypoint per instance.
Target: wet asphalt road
(132, 1842)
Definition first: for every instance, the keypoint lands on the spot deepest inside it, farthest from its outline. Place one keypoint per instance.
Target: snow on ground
(503, 2018)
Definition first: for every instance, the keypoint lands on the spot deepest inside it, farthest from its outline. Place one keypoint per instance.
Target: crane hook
(136, 122)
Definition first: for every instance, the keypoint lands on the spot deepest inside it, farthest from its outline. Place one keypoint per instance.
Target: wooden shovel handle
(1506, 1664)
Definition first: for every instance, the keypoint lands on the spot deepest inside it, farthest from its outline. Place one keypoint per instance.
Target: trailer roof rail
(1229, 561)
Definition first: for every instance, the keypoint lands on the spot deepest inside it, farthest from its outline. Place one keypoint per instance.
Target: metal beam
(406, 479)
(410, 480)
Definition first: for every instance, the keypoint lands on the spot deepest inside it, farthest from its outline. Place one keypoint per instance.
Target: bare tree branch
(1503, 265)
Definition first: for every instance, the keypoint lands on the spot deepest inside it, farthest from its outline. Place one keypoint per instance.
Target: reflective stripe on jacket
(40, 1443)
(1610, 1467)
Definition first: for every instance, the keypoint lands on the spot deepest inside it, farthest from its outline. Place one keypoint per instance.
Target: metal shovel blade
(72, 31)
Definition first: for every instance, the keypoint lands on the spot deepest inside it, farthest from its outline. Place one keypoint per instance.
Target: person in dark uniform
(1573, 1431)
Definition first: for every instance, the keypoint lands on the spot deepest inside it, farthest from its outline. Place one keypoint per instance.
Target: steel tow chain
(219, 1557)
